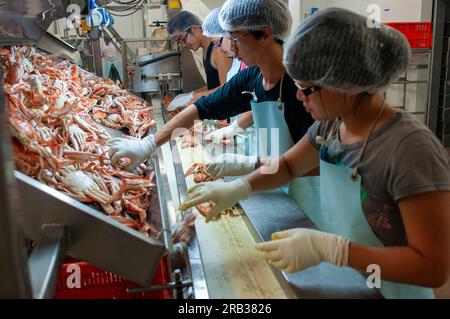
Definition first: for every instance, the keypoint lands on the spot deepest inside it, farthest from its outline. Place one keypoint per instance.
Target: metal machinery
(158, 73)
(415, 82)
(439, 103)
(161, 69)
(219, 262)
(59, 225)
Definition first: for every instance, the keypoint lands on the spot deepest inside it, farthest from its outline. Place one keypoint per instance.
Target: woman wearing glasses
(186, 29)
(384, 176)
(239, 124)
(257, 30)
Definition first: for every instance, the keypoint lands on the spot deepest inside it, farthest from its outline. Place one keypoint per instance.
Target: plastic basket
(419, 34)
(97, 283)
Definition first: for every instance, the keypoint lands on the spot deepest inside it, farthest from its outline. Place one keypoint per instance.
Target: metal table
(273, 211)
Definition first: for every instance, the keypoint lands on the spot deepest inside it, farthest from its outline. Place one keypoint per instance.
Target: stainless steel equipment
(158, 73)
(61, 225)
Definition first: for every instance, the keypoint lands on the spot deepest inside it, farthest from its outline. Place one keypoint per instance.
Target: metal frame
(14, 277)
(46, 259)
(405, 82)
(124, 52)
(61, 225)
(439, 12)
(192, 251)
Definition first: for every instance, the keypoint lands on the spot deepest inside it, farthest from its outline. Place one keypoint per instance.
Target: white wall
(391, 10)
(296, 11)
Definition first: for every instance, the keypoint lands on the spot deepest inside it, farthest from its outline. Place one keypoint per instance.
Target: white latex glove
(298, 249)
(226, 132)
(224, 194)
(230, 164)
(136, 150)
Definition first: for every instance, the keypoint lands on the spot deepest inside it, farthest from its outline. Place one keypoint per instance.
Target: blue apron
(274, 143)
(341, 213)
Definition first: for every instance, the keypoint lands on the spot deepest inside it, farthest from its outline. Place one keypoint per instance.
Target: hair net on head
(211, 26)
(337, 50)
(182, 21)
(254, 15)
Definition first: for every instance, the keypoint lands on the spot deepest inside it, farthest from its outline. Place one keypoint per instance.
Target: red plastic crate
(97, 283)
(419, 34)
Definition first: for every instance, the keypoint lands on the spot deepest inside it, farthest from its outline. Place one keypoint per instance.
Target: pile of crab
(201, 130)
(55, 111)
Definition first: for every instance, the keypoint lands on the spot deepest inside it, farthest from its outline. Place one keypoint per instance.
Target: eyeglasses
(183, 39)
(218, 44)
(307, 90)
(235, 40)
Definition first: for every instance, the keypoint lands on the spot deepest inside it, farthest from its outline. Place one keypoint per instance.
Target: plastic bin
(97, 283)
(419, 34)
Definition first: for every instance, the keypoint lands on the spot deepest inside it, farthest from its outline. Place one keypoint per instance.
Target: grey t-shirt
(403, 158)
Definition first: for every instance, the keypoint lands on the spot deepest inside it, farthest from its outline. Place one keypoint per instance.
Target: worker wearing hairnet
(239, 123)
(238, 18)
(264, 88)
(384, 176)
(186, 29)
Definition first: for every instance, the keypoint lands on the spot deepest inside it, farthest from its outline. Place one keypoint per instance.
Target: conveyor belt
(236, 235)
(232, 267)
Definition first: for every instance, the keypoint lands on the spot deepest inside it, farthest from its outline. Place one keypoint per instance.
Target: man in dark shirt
(186, 29)
(229, 101)
(262, 50)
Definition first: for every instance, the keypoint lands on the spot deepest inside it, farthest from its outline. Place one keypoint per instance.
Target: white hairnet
(211, 26)
(254, 15)
(337, 50)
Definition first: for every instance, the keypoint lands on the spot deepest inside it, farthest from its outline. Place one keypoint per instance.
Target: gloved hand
(224, 194)
(230, 164)
(136, 150)
(226, 132)
(298, 249)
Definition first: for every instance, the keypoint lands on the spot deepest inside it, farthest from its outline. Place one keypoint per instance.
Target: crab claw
(77, 137)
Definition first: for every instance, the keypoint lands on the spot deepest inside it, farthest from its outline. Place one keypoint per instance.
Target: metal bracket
(178, 285)
(46, 259)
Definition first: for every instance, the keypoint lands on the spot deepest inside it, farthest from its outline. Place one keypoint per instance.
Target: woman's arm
(426, 260)
(223, 65)
(245, 119)
(299, 160)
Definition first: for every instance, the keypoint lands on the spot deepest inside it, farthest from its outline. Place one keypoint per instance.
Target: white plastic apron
(270, 115)
(246, 140)
(341, 213)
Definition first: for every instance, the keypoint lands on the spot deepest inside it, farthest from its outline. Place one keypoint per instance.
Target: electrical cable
(126, 2)
(140, 2)
(126, 15)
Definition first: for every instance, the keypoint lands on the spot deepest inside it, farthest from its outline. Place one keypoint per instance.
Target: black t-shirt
(229, 101)
(212, 74)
